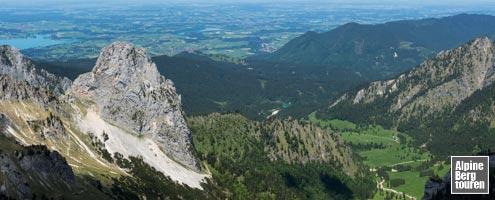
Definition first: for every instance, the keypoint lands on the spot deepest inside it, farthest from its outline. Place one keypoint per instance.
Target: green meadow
(390, 153)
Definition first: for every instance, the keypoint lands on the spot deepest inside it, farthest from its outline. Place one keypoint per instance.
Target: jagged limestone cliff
(38, 108)
(439, 83)
(14, 65)
(130, 93)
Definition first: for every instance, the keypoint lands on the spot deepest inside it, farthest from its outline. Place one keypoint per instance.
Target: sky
(44, 3)
(247, 1)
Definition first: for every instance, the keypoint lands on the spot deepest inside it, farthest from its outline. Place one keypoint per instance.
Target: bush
(397, 182)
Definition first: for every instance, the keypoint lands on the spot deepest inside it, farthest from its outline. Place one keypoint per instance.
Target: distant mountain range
(308, 72)
(381, 50)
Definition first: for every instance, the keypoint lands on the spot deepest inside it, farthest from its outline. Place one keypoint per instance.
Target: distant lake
(37, 41)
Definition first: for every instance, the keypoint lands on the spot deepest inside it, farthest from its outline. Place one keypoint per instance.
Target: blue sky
(270, 1)
(20, 3)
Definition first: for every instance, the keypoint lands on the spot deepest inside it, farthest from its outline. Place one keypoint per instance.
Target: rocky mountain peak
(126, 61)
(11, 56)
(129, 92)
(121, 65)
(481, 42)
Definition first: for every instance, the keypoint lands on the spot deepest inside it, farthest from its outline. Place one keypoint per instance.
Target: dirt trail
(411, 161)
(380, 186)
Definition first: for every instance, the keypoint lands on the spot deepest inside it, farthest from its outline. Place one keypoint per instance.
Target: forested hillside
(278, 159)
(383, 50)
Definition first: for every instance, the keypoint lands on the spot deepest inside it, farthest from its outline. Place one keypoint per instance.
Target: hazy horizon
(391, 2)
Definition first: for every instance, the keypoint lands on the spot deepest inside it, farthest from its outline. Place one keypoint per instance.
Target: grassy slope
(414, 183)
(393, 154)
(82, 163)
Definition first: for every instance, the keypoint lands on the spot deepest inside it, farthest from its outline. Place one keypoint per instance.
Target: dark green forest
(370, 49)
(473, 133)
(254, 89)
(236, 150)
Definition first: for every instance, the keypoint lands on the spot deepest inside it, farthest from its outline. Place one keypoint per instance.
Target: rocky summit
(130, 93)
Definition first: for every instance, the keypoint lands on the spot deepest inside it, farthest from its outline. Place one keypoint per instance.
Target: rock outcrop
(13, 179)
(15, 90)
(51, 127)
(130, 93)
(16, 66)
(34, 168)
(441, 82)
(4, 122)
(20, 80)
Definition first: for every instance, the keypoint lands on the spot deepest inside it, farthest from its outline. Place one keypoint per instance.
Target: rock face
(20, 80)
(26, 168)
(14, 179)
(51, 127)
(130, 93)
(441, 82)
(47, 164)
(4, 122)
(12, 90)
(17, 67)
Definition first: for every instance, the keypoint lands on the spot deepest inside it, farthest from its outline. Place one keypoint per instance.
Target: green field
(414, 183)
(389, 151)
(335, 124)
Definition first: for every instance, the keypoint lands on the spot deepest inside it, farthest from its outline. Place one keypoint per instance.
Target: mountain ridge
(112, 161)
(42, 112)
(15, 65)
(432, 101)
(391, 47)
(458, 66)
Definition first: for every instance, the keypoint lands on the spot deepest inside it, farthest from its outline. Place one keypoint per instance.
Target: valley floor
(401, 168)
